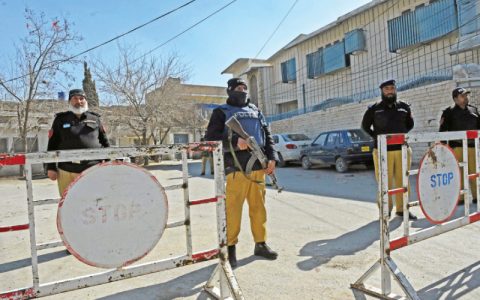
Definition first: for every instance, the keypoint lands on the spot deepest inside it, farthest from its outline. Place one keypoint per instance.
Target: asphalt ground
(324, 226)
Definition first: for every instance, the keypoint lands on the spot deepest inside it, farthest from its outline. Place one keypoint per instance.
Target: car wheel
(341, 165)
(306, 163)
(281, 163)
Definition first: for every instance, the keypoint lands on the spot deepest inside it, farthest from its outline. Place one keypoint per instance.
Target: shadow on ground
(322, 251)
(455, 285)
(27, 262)
(186, 285)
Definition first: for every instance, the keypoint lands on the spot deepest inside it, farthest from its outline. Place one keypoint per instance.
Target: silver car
(288, 146)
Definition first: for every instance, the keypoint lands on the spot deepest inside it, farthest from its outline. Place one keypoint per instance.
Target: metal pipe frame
(386, 264)
(228, 282)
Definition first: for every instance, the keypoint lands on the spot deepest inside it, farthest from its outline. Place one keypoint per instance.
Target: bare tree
(144, 87)
(195, 119)
(36, 66)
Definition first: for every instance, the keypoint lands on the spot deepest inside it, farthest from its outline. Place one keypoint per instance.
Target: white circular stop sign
(438, 184)
(112, 215)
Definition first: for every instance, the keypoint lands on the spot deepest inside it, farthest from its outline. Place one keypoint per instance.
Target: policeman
(242, 184)
(384, 117)
(206, 157)
(462, 116)
(77, 128)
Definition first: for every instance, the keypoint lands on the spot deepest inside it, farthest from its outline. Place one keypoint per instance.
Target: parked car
(339, 148)
(288, 146)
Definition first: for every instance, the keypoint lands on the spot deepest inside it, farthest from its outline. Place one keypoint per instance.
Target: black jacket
(381, 118)
(454, 118)
(216, 132)
(70, 132)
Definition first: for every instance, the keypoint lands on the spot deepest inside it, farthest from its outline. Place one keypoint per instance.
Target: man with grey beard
(77, 128)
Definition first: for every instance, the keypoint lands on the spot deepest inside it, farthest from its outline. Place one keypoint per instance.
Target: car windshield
(358, 136)
(295, 137)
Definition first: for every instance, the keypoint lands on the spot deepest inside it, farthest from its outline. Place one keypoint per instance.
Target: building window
(180, 138)
(468, 12)
(3, 145)
(315, 64)
(334, 57)
(355, 41)
(32, 145)
(289, 71)
(424, 24)
(287, 106)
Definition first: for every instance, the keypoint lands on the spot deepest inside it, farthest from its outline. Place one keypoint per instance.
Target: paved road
(324, 226)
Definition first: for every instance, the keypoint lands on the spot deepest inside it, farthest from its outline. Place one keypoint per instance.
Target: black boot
(232, 256)
(262, 249)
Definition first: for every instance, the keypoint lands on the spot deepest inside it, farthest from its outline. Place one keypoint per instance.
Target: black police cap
(234, 82)
(459, 91)
(76, 92)
(387, 82)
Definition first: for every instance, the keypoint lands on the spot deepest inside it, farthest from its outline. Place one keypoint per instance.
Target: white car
(288, 146)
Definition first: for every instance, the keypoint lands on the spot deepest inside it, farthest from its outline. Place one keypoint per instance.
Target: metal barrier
(386, 264)
(228, 286)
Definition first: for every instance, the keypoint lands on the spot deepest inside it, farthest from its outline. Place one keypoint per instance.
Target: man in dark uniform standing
(77, 128)
(241, 183)
(462, 116)
(384, 117)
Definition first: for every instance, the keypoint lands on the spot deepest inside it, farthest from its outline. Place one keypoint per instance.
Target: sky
(238, 31)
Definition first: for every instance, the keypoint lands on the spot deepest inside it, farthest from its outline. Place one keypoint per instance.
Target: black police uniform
(388, 118)
(70, 132)
(455, 118)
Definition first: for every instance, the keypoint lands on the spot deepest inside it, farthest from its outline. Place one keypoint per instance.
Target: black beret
(234, 82)
(76, 92)
(387, 82)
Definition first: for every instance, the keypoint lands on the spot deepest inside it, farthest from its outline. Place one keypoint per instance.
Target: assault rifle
(236, 127)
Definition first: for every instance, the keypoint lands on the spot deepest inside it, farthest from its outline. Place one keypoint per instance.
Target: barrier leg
(227, 281)
(31, 221)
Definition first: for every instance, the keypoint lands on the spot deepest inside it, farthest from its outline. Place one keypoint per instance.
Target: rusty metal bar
(477, 171)
(413, 172)
(49, 245)
(433, 231)
(203, 201)
(46, 201)
(14, 228)
(173, 187)
(466, 181)
(31, 222)
(413, 203)
(175, 224)
(396, 191)
(406, 193)
(384, 212)
(402, 280)
(186, 199)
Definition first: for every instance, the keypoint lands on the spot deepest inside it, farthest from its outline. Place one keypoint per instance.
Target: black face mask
(237, 98)
(389, 99)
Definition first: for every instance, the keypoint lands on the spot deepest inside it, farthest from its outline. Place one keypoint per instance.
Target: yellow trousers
(238, 189)
(64, 179)
(471, 168)
(395, 173)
